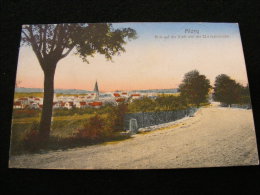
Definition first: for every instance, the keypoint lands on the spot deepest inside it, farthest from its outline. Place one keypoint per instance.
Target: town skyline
(149, 62)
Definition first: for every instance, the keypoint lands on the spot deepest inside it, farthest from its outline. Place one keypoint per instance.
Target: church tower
(96, 91)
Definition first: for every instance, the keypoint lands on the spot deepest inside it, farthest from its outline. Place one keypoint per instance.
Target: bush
(92, 129)
(104, 126)
(115, 118)
(31, 140)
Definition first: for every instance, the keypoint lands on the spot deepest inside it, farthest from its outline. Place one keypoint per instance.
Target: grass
(55, 118)
(34, 94)
(160, 129)
(62, 135)
(116, 141)
(62, 127)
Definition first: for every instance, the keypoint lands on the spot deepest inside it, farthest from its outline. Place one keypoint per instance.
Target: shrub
(31, 140)
(104, 126)
(92, 129)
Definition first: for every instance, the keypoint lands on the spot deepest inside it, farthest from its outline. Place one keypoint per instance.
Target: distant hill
(64, 91)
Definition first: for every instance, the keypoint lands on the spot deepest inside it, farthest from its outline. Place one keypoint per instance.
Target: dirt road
(213, 137)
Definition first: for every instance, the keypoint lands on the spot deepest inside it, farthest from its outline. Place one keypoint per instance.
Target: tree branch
(35, 46)
(27, 36)
(54, 38)
(44, 52)
(67, 52)
(41, 36)
(59, 49)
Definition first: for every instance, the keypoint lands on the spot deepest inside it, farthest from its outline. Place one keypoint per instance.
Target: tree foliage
(228, 91)
(161, 103)
(143, 104)
(170, 102)
(194, 88)
(56, 41)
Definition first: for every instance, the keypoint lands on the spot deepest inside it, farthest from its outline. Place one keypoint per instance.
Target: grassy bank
(63, 131)
(69, 128)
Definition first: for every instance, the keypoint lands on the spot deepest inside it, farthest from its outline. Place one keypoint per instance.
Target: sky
(157, 59)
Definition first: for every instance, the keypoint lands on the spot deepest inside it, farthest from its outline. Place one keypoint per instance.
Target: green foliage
(170, 102)
(245, 95)
(23, 113)
(66, 128)
(92, 128)
(73, 111)
(228, 91)
(116, 117)
(101, 38)
(70, 130)
(31, 139)
(58, 40)
(195, 88)
(161, 103)
(143, 104)
(101, 126)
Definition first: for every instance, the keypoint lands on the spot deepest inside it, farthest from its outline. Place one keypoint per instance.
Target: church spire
(96, 90)
(96, 87)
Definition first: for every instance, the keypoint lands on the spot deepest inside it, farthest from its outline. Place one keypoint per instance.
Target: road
(214, 137)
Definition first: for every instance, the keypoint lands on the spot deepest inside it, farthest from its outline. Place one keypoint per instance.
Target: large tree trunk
(45, 124)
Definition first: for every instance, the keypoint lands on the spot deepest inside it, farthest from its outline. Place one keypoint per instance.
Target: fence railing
(146, 119)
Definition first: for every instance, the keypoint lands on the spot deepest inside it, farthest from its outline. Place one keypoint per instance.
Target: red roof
(82, 103)
(95, 103)
(36, 98)
(23, 98)
(124, 93)
(17, 103)
(135, 94)
(70, 103)
(116, 94)
(120, 99)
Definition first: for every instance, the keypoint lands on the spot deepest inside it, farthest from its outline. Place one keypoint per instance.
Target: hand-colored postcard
(132, 96)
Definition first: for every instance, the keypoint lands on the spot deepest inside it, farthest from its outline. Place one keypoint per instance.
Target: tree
(169, 102)
(53, 42)
(144, 104)
(245, 99)
(227, 90)
(194, 88)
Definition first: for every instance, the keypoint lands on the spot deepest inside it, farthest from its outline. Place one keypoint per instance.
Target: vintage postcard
(132, 96)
